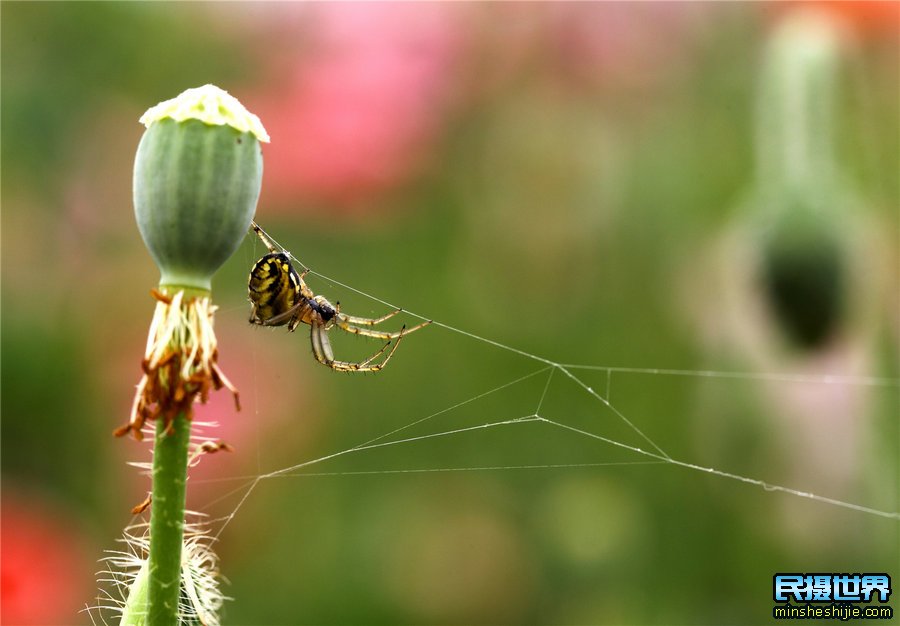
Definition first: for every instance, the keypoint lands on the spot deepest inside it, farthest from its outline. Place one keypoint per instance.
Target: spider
(279, 296)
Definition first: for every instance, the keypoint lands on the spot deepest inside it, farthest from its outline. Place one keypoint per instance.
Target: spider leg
(344, 323)
(254, 315)
(281, 318)
(367, 321)
(321, 346)
(267, 242)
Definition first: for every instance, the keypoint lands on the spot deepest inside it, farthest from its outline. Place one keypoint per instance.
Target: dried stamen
(179, 363)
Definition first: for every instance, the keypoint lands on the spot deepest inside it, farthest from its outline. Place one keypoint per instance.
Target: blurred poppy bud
(801, 196)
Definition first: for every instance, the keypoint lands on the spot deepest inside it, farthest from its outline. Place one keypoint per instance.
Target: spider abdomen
(274, 289)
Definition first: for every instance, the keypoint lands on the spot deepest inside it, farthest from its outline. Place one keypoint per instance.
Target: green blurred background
(579, 181)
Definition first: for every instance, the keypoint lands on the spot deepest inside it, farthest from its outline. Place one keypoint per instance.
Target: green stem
(170, 456)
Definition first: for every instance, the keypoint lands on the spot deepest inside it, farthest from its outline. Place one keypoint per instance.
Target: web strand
(710, 470)
(865, 381)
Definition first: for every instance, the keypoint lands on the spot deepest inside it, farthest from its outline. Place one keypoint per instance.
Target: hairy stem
(170, 457)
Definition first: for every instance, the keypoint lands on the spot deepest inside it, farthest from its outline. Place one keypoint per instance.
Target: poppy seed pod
(197, 177)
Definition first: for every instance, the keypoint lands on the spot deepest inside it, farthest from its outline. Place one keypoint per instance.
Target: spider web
(649, 452)
(618, 428)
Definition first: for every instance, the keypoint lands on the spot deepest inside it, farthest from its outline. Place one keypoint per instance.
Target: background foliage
(562, 178)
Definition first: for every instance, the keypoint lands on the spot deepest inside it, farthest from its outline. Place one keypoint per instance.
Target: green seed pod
(197, 177)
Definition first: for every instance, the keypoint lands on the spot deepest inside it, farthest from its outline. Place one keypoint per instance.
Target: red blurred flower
(44, 572)
(360, 108)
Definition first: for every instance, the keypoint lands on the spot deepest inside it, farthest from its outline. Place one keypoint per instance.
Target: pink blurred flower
(629, 45)
(277, 397)
(44, 568)
(362, 102)
(622, 47)
(270, 369)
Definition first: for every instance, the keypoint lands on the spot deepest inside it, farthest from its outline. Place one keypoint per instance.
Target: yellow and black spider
(278, 296)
